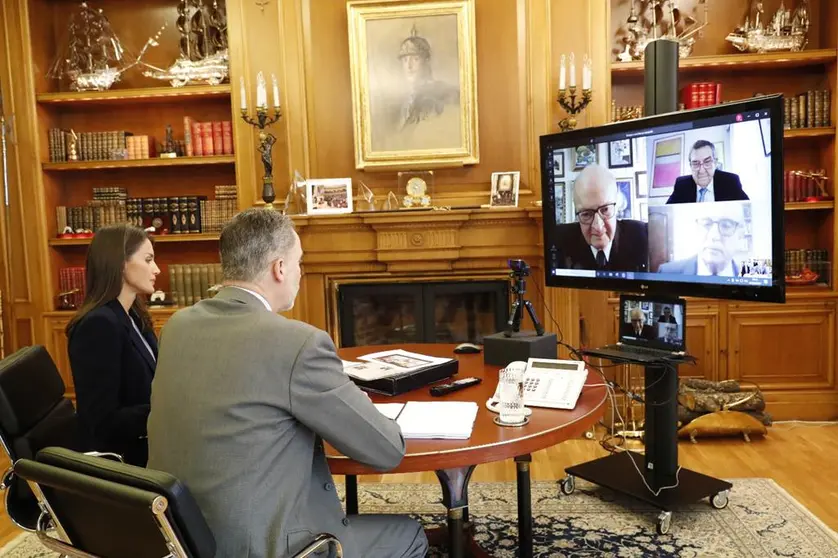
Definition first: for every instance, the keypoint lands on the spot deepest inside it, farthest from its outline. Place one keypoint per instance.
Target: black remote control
(443, 389)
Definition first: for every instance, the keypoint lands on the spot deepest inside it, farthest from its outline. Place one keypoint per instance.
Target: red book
(197, 139)
(216, 138)
(206, 137)
(187, 136)
(227, 137)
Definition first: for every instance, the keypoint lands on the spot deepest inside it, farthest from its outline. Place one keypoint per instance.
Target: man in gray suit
(719, 228)
(243, 399)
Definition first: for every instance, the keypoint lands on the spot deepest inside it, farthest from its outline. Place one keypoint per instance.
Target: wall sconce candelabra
(266, 139)
(567, 95)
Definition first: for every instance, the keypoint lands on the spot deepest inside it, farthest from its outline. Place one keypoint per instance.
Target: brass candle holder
(567, 100)
(266, 143)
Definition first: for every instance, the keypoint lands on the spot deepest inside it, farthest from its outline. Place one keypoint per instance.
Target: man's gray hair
(594, 175)
(703, 143)
(251, 241)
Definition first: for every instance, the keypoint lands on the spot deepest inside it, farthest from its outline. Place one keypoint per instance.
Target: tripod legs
(515, 315)
(539, 329)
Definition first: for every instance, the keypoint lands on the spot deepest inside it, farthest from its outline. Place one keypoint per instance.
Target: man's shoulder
(678, 266)
(724, 177)
(683, 181)
(632, 226)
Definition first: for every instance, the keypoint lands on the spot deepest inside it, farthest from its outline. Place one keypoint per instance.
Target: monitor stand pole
(659, 469)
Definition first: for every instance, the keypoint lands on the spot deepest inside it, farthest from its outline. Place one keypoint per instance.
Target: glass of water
(511, 383)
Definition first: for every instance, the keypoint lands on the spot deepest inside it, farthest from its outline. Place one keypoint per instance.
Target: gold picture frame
(414, 95)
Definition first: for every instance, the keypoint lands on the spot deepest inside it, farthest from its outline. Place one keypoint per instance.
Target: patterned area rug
(761, 520)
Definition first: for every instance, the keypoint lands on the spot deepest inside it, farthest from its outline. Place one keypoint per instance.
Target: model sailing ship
(93, 58)
(667, 22)
(203, 46)
(787, 31)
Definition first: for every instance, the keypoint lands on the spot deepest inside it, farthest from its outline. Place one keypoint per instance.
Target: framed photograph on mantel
(414, 83)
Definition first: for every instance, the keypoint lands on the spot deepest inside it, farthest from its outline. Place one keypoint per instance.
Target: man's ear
(278, 270)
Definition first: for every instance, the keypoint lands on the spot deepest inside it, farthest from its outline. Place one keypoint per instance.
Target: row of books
(627, 112)
(815, 260)
(190, 283)
(170, 215)
(71, 287)
(207, 138)
(798, 185)
(811, 109)
(701, 94)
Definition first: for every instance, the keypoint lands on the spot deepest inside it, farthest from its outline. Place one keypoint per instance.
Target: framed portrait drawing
(505, 189)
(620, 154)
(667, 155)
(327, 196)
(624, 197)
(413, 69)
(583, 156)
(558, 164)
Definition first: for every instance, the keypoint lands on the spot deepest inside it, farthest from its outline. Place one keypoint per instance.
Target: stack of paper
(438, 419)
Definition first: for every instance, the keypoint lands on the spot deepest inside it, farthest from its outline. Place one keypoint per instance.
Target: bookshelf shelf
(140, 163)
(140, 96)
(804, 206)
(57, 242)
(155, 311)
(736, 62)
(809, 133)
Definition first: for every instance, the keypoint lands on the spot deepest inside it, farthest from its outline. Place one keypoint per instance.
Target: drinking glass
(511, 383)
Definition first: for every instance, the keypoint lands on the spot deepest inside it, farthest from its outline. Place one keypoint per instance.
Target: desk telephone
(556, 384)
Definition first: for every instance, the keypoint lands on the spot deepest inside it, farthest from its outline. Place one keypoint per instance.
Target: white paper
(389, 410)
(452, 420)
(403, 361)
(369, 371)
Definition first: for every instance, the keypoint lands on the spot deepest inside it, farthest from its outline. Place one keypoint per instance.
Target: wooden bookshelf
(809, 133)
(140, 163)
(136, 96)
(158, 238)
(737, 62)
(810, 206)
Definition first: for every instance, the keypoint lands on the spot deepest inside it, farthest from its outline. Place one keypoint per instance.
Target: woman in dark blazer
(112, 346)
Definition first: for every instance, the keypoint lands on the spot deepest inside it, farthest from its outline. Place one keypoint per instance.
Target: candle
(276, 91)
(562, 74)
(261, 91)
(243, 95)
(586, 74)
(572, 70)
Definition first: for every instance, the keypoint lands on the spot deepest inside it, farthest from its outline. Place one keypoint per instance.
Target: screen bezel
(774, 293)
(654, 343)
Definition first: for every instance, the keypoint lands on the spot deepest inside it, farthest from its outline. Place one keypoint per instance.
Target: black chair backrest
(105, 506)
(34, 414)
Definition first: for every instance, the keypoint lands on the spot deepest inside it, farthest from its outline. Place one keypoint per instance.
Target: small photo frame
(326, 196)
(641, 180)
(583, 156)
(505, 189)
(624, 188)
(558, 164)
(620, 154)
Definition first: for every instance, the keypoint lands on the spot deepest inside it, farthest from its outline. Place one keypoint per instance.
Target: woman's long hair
(109, 251)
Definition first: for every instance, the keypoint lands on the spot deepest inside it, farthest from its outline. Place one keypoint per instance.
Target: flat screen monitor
(684, 203)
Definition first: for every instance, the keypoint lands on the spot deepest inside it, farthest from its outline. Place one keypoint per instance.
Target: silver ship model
(787, 31)
(203, 46)
(667, 17)
(93, 58)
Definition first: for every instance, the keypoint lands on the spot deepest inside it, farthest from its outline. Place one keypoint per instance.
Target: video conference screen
(643, 321)
(687, 202)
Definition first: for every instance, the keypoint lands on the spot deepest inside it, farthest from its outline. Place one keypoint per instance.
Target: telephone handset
(549, 383)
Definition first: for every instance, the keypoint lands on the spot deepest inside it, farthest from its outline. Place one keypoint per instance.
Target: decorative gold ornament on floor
(787, 30)
(571, 105)
(266, 139)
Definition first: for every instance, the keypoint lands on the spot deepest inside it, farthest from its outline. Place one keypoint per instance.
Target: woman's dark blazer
(112, 373)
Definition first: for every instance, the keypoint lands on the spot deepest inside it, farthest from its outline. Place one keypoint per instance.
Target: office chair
(33, 414)
(104, 509)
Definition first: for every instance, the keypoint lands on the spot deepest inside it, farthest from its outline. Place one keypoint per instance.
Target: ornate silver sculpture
(667, 22)
(786, 31)
(93, 57)
(203, 46)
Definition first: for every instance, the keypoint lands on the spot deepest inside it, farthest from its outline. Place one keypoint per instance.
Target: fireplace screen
(445, 312)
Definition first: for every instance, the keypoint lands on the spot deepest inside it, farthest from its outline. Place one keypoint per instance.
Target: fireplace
(428, 312)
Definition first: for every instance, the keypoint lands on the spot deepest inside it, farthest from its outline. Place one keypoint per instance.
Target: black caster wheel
(664, 523)
(568, 485)
(720, 499)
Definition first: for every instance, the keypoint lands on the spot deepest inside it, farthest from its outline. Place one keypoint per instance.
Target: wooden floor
(802, 458)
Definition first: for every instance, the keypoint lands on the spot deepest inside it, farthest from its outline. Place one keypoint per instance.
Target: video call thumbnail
(644, 321)
(686, 202)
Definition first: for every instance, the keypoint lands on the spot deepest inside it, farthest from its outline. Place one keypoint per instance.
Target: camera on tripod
(519, 268)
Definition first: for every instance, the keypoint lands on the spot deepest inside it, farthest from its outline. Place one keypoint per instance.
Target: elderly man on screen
(706, 183)
(720, 231)
(599, 241)
(637, 327)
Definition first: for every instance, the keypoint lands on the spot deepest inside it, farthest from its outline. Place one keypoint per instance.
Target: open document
(452, 420)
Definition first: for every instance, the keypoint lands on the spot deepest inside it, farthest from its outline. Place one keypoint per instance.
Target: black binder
(395, 385)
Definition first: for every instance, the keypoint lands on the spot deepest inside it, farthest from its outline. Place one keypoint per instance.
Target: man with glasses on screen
(706, 183)
(719, 231)
(599, 241)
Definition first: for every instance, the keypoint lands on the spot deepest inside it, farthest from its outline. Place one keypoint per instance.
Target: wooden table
(455, 460)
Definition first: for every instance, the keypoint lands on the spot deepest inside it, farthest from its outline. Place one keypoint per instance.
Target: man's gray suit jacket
(689, 266)
(240, 400)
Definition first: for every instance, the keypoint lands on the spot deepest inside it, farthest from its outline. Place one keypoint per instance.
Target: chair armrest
(323, 540)
(106, 455)
(7, 478)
